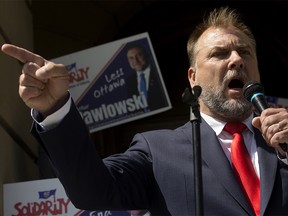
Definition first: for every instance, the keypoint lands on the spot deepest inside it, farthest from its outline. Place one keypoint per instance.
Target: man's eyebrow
(218, 48)
(236, 46)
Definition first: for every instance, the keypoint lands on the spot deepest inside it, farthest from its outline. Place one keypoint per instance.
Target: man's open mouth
(236, 83)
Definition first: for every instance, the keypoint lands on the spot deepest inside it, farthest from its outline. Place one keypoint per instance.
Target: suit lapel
(267, 160)
(216, 160)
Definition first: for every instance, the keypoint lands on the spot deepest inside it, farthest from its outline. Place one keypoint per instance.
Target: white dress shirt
(225, 138)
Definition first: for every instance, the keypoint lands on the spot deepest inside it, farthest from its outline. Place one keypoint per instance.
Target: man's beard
(214, 99)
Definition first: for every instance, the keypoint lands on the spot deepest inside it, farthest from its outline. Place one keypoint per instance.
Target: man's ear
(192, 76)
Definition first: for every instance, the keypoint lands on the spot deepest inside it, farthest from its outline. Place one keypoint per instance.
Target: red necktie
(243, 165)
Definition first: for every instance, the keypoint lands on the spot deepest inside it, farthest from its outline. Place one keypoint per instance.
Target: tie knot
(234, 127)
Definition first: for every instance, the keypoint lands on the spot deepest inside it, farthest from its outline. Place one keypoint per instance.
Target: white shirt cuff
(283, 159)
(54, 119)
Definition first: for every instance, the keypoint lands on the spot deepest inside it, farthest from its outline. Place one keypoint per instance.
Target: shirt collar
(218, 125)
(146, 71)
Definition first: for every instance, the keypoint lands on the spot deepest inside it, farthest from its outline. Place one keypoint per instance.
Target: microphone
(190, 96)
(254, 92)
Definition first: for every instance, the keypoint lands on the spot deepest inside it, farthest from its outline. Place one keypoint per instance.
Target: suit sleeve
(90, 182)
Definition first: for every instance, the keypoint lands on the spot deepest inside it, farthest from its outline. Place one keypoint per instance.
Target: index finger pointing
(22, 54)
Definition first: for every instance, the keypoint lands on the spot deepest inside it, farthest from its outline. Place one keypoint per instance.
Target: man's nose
(236, 61)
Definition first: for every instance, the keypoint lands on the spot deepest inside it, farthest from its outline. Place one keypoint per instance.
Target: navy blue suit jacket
(156, 172)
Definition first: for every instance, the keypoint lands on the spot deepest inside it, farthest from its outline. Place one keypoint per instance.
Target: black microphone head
(190, 96)
(197, 90)
(252, 87)
(254, 92)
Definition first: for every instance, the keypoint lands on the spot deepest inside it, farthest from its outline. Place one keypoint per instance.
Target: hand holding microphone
(274, 122)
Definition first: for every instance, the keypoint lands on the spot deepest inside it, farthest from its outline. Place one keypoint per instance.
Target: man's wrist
(54, 118)
(60, 103)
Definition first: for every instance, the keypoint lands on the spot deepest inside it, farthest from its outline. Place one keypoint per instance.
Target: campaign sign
(44, 197)
(106, 86)
(277, 102)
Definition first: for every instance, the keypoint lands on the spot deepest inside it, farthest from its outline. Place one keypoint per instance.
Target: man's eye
(244, 52)
(221, 54)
